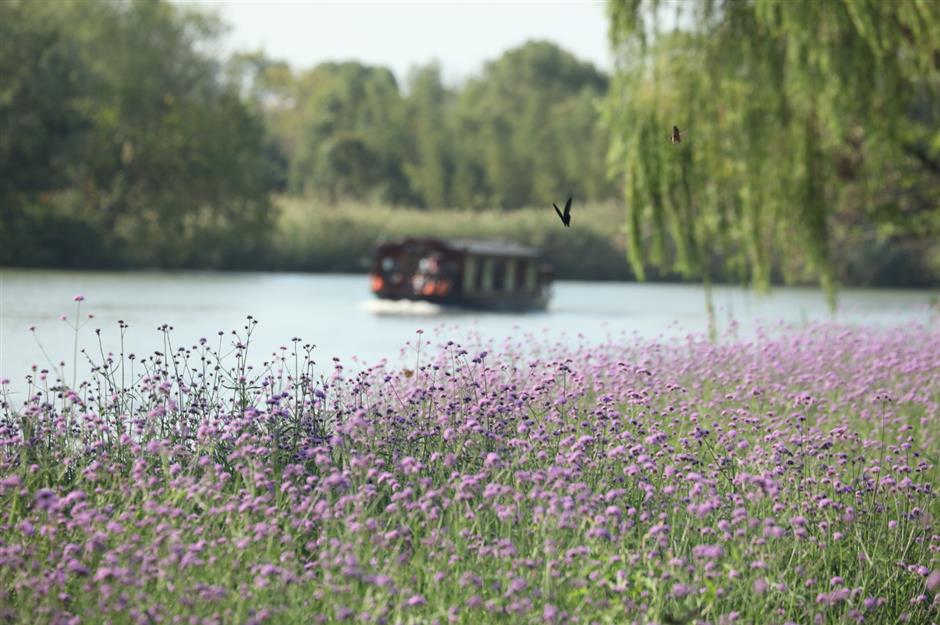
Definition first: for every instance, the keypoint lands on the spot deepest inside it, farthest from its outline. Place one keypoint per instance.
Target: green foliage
(159, 148)
(41, 102)
(530, 124)
(809, 124)
(42, 121)
(349, 125)
(525, 132)
(430, 170)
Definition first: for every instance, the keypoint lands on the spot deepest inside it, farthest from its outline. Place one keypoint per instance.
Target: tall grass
(314, 236)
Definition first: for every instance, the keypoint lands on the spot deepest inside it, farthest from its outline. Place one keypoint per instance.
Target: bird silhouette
(676, 136)
(566, 216)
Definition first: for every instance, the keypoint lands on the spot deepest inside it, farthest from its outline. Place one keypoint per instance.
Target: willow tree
(792, 110)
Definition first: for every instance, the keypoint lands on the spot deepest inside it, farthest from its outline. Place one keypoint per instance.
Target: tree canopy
(523, 132)
(118, 129)
(808, 124)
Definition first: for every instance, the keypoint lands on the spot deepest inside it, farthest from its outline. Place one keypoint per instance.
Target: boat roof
(476, 247)
(492, 248)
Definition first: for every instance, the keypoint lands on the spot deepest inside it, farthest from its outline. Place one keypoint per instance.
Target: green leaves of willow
(770, 92)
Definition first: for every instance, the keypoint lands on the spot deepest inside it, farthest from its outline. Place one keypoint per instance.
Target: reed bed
(313, 236)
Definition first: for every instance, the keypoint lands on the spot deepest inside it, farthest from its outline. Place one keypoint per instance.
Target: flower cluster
(787, 478)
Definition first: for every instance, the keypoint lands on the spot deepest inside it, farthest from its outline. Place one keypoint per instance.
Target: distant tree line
(524, 132)
(121, 143)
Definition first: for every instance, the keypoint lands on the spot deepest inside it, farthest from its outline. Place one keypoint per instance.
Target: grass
(788, 478)
(319, 237)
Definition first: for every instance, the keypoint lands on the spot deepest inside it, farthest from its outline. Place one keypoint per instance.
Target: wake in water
(401, 308)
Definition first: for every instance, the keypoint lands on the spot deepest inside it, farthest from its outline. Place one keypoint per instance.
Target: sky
(460, 35)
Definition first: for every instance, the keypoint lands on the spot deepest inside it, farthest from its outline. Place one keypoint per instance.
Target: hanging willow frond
(771, 91)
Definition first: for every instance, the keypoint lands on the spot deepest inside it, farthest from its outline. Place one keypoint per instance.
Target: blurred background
(290, 136)
(293, 137)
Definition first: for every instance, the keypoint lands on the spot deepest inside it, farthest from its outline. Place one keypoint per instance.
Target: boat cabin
(469, 273)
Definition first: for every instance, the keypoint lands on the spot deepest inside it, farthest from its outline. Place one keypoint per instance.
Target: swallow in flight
(566, 216)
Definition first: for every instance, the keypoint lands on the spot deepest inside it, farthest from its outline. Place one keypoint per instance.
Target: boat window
(531, 276)
(499, 274)
(510, 283)
(486, 275)
(469, 274)
(388, 263)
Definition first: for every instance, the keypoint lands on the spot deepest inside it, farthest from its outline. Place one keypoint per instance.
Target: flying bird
(566, 216)
(676, 136)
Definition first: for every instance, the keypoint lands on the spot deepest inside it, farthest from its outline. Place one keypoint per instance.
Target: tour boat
(488, 275)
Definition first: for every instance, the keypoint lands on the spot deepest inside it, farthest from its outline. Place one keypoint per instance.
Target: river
(339, 316)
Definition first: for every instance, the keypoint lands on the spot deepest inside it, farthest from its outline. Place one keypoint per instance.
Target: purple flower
(76, 567)
(382, 581)
(45, 498)
(709, 552)
(416, 600)
(933, 581)
(517, 585)
(836, 596)
(371, 476)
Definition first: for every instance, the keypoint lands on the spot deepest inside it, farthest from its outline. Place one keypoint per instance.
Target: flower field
(787, 477)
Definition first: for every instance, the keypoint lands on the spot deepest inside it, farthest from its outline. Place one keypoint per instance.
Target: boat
(465, 273)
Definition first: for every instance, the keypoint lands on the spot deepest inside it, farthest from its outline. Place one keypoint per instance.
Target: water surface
(338, 315)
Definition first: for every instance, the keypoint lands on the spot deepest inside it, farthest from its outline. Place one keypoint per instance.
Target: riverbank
(315, 236)
(311, 236)
(769, 480)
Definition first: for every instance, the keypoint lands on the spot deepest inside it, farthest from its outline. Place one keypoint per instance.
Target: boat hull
(497, 303)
